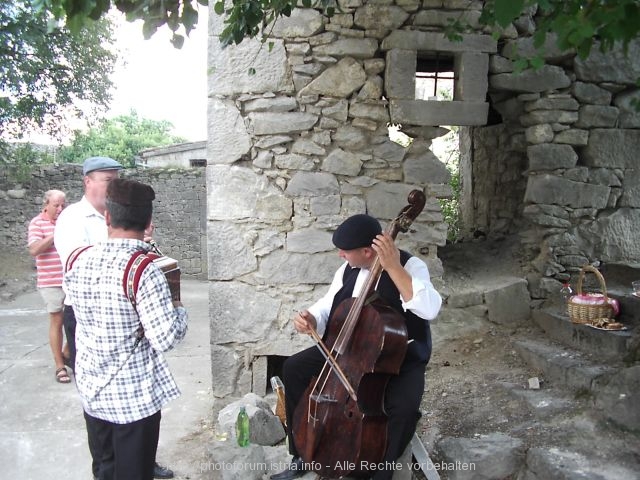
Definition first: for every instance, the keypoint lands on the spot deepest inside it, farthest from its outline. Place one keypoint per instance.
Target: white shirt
(79, 224)
(425, 303)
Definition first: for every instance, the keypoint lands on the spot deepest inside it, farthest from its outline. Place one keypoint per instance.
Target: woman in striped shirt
(49, 272)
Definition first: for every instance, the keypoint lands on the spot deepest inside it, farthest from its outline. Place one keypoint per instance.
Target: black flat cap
(130, 193)
(356, 232)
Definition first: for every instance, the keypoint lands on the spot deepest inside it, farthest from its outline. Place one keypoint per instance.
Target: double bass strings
(333, 363)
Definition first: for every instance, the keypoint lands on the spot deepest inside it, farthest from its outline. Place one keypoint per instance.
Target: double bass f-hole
(342, 409)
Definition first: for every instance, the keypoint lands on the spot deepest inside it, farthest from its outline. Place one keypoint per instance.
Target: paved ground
(42, 433)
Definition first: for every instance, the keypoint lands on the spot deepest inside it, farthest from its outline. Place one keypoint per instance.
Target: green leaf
(536, 62)
(177, 41)
(520, 64)
(148, 29)
(219, 8)
(507, 10)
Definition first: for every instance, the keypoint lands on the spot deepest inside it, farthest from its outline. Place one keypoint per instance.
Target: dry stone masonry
(303, 143)
(178, 210)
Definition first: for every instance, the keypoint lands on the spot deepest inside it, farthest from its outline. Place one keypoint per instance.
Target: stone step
(543, 403)
(613, 389)
(560, 463)
(564, 366)
(606, 345)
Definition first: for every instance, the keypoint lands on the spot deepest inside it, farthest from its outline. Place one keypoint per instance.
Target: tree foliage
(121, 138)
(18, 159)
(154, 13)
(47, 76)
(577, 23)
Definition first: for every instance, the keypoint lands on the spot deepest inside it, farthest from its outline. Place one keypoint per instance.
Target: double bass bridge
(323, 398)
(315, 401)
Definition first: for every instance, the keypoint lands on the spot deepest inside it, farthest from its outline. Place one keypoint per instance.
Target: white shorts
(53, 298)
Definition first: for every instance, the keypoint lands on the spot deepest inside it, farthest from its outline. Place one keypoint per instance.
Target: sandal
(62, 376)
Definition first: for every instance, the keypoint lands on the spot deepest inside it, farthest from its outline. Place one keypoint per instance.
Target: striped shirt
(119, 380)
(48, 265)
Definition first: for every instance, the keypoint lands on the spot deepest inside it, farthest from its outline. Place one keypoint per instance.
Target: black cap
(130, 193)
(356, 232)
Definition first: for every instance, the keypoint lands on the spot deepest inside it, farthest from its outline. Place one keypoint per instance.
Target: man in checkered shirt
(122, 377)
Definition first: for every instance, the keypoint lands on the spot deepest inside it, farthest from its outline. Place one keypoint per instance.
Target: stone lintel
(438, 42)
(433, 113)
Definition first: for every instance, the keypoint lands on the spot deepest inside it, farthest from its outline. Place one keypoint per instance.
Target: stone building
(181, 155)
(546, 154)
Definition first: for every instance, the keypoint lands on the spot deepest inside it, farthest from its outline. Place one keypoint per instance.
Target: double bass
(339, 425)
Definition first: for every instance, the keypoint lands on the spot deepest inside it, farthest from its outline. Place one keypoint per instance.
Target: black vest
(418, 330)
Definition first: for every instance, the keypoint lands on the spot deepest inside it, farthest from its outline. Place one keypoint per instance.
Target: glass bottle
(565, 292)
(242, 427)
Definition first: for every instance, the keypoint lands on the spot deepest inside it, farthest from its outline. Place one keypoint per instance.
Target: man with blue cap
(83, 223)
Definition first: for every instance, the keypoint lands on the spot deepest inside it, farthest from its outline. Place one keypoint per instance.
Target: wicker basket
(583, 314)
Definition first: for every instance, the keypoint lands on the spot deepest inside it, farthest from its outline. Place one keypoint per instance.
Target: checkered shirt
(119, 381)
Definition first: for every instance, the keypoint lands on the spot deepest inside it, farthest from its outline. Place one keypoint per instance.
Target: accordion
(169, 267)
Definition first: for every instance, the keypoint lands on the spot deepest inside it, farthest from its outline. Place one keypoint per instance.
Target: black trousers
(69, 323)
(126, 451)
(402, 401)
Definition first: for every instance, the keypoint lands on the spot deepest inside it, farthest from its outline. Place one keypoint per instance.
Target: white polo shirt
(79, 224)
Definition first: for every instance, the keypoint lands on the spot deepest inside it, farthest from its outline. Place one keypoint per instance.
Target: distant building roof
(176, 148)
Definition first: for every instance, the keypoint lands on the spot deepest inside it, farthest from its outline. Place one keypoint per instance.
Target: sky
(161, 82)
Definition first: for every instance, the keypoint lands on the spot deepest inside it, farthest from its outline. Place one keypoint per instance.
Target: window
(435, 77)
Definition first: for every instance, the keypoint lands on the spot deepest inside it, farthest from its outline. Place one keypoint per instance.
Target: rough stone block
(548, 77)
(491, 456)
(508, 304)
(547, 189)
(551, 156)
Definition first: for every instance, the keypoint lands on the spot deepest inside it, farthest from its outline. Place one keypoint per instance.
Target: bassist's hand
(304, 322)
(387, 251)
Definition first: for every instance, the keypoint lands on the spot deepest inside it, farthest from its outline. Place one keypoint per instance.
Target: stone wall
(301, 144)
(570, 145)
(293, 151)
(179, 210)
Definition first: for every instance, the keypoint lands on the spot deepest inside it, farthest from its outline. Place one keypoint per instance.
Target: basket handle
(594, 270)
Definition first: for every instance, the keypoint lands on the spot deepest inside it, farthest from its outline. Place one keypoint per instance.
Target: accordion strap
(132, 272)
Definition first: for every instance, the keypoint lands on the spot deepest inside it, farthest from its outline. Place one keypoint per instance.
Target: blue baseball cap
(100, 163)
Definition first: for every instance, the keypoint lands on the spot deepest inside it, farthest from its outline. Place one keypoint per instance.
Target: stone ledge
(566, 367)
(435, 113)
(606, 345)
